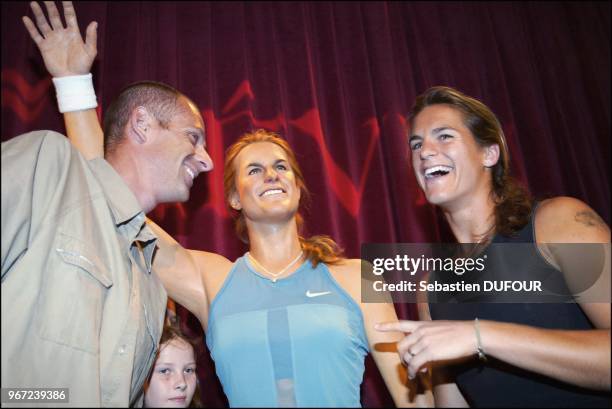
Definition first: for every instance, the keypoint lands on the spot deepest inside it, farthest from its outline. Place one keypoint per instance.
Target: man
(81, 307)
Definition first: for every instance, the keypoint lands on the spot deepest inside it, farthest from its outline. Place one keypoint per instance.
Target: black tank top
(496, 383)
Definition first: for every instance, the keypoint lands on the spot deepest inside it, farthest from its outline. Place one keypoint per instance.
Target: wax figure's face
(173, 381)
(448, 163)
(178, 154)
(266, 188)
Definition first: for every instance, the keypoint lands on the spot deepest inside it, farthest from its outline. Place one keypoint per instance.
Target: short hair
(159, 99)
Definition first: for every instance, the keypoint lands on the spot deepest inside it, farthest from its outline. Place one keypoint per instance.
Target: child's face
(173, 380)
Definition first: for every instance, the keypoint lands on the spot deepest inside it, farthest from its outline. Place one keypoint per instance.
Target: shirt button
(122, 350)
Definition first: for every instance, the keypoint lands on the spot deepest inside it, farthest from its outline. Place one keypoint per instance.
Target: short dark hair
(159, 99)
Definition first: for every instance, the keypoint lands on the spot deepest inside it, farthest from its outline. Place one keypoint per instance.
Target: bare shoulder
(350, 266)
(566, 219)
(347, 273)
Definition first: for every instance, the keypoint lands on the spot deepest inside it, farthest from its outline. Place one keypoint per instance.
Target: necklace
(274, 275)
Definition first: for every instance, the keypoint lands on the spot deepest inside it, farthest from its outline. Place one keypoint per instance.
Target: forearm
(578, 357)
(395, 379)
(85, 132)
(448, 395)
(405, 392)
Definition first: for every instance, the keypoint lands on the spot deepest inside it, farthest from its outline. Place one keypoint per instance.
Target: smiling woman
(260, 180)
(545, 354)
(297, 299)
(285, 166)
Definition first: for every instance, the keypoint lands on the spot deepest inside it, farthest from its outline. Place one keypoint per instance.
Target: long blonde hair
(317, 249)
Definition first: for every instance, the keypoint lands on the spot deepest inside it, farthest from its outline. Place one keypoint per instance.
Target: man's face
(177, 155)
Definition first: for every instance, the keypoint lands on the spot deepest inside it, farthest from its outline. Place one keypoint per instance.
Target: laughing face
(178, 154)
(266, 187)
(449, 165)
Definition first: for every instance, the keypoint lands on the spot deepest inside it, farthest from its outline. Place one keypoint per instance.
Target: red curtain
(336, 79)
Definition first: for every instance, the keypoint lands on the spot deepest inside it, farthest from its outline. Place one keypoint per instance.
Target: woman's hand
(432, 341)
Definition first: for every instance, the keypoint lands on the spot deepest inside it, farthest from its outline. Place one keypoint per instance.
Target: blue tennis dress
(299, 341)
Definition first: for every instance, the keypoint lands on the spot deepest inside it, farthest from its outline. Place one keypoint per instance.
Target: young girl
(173, 381)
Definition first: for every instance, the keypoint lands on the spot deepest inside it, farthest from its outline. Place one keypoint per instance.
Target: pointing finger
(398, 326)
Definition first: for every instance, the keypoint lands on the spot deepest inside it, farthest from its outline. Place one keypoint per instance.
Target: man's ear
(491, 155)
(140, 124)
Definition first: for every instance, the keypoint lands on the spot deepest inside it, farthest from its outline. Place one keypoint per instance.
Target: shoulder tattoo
(589, 218)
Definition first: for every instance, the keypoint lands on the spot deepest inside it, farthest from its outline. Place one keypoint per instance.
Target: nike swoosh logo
(310, 294)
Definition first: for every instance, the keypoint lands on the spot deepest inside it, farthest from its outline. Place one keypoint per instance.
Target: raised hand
(62, 49)
(432, 341)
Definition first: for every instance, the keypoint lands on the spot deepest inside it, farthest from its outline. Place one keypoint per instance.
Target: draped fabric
(337, 79)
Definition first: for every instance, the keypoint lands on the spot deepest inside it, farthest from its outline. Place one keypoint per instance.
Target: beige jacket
(80, 306)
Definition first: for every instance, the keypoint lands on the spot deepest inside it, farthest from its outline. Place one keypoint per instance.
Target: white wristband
(75, 93)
